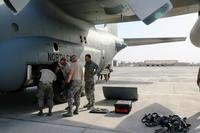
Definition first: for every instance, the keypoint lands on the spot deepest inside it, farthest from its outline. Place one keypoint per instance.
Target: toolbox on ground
(123, 106)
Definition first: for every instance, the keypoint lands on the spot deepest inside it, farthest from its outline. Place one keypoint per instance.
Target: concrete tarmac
(165, 90)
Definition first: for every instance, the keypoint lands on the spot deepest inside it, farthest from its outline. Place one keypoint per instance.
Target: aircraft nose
(11, 77)
(12, 68)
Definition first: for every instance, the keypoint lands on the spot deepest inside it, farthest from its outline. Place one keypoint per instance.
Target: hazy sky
(167, 27)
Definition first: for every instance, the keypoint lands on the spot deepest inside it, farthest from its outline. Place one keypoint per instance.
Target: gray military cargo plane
(38, 32)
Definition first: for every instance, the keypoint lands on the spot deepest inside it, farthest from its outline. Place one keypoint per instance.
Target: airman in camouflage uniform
(91, 69)
(74, 78)
(45, 89)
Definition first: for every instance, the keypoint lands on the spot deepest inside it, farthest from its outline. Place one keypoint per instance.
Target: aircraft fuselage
(41, 34)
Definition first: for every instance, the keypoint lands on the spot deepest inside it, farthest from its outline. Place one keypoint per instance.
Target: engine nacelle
(195, 33)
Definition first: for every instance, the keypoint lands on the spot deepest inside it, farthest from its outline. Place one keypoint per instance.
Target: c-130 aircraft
(38, 32)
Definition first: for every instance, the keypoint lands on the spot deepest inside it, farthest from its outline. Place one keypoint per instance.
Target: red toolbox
(123, 106)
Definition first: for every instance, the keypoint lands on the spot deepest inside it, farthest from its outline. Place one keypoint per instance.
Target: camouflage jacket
(91, 69)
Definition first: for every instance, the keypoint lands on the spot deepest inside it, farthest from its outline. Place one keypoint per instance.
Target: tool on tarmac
(99, 111)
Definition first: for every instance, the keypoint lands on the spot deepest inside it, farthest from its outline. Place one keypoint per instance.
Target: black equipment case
(123, 106)
(120, 93)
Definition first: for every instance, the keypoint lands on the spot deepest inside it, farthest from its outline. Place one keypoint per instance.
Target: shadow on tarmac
(19, 107)
(19, 102)
(195, 122)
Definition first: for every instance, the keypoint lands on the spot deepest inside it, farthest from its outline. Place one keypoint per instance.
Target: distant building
(153, 63)
(160, 62)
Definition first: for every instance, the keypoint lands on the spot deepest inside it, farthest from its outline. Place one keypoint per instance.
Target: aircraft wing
(147, 41)
(115, 11)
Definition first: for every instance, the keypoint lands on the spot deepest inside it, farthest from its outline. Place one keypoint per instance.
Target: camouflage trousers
(45, 92)
(89, 92)
(74, 94)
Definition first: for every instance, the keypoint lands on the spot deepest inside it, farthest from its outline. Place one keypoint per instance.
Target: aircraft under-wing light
(38, 32)
(154, 9)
